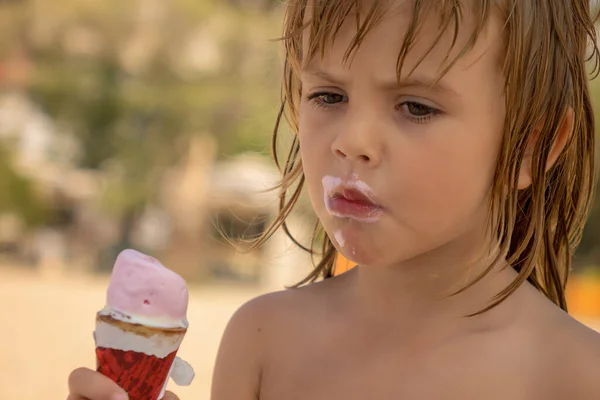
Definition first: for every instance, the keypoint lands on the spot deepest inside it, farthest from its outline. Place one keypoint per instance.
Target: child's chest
(327, 371)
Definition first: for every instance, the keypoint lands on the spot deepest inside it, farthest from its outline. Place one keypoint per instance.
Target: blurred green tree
(588, 253)
(133, 81)
(18, 195)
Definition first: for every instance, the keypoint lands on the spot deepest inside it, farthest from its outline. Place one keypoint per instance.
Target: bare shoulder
(253, 336)
(271, 313)
(577, 350)
(243, 350)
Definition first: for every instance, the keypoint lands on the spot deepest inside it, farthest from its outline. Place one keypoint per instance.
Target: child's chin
(375, 257)
(357, 255)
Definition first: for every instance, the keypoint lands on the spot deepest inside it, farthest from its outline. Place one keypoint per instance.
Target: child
(448, 149)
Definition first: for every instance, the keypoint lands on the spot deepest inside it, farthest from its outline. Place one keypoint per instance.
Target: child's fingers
(170, 396)
(91, 385)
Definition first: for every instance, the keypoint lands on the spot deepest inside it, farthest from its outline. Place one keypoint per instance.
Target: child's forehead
(397, 31)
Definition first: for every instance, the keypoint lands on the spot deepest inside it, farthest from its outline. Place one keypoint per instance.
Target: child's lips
(354, 204)
(354, 196)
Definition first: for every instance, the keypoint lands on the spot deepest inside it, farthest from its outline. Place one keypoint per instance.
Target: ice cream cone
(139, 330)
(139, 358)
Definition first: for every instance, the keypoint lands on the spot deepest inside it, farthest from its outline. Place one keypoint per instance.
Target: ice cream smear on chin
(340, 238)
(143, 291)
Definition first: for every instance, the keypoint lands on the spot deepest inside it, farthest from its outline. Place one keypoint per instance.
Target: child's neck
(419, 293)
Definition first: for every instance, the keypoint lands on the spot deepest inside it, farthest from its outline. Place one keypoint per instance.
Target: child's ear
(565, 131)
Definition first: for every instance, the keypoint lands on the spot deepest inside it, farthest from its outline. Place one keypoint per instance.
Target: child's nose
(358, 143)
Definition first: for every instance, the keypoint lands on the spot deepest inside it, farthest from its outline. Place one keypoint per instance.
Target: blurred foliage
(134, 80)
(589, 248)
(18, 195)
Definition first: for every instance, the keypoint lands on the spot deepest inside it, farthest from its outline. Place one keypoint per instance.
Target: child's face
(428, 154)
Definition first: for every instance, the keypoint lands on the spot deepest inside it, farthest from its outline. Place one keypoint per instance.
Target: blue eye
(326, 99)
(417, 109)
(418, 112)
(331, 98)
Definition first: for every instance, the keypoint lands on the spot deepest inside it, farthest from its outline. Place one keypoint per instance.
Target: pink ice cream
(140, 286)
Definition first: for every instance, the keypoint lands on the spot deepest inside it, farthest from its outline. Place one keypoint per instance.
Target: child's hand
(85, 384)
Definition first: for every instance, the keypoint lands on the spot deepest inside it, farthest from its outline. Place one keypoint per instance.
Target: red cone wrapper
(138, 358)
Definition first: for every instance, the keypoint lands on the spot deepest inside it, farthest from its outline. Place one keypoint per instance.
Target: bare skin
(86, 384)
(316, 343)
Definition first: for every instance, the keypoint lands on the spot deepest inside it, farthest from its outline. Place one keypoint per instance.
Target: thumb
(170, 396)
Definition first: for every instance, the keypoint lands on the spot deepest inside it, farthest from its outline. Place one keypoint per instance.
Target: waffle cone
(137, 357)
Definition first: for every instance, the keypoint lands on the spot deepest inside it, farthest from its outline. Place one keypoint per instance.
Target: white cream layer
(112, 337)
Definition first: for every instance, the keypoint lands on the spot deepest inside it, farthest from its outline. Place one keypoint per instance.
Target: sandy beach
(48, 324)
(51, 324)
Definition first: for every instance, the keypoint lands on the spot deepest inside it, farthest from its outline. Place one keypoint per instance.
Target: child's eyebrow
(414, 81)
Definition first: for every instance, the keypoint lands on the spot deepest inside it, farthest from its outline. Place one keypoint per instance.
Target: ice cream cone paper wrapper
(139, 358)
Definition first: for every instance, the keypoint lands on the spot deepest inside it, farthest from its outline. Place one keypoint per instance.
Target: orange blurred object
(583, 296)
(342, 264)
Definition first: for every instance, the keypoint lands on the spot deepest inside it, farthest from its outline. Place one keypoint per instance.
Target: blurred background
(146, 124)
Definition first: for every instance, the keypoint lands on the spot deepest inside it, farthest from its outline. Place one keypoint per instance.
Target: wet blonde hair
(547, 47)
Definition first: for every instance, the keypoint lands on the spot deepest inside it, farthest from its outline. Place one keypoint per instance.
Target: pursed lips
(352, 199)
